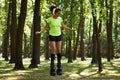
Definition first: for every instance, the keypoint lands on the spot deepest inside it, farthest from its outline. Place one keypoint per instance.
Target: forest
(96, 39)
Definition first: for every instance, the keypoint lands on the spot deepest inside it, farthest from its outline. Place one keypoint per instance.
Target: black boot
(52, 67)
(59, 67)
(52, 70)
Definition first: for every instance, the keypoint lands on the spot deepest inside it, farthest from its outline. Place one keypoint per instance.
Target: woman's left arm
(65, 27)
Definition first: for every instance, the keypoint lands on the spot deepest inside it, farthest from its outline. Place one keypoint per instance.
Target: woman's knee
(59, 50)
(53, 50)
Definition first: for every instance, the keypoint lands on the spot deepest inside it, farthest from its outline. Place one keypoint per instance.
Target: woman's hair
(57, 10)
(54, 9)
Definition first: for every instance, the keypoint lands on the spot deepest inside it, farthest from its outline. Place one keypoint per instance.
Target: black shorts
(55, 38)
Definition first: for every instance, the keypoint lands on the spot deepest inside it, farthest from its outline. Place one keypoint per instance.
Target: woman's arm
(65, 27)
(43, 29)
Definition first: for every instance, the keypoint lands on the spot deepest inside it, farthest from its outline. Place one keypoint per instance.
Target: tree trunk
(96, 34)
(98, 47)
(19, 36)
(89, 47)
(31, 40)
(77, 42)
(70, 53)
(6, 36)
(82, 20)
(47, 51)
(94, 55)
(116, 34)
(36, 38)
(82, 41)
(13, 32)
(25, 53)
(66, 55)
(111, 27)
(109, 23)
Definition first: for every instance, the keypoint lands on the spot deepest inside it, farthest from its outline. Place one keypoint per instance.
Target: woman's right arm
(43, 29)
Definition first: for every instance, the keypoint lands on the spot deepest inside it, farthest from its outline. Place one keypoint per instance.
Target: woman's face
(57, 13)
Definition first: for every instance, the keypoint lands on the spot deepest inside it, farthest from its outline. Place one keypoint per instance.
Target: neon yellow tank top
(55, 26)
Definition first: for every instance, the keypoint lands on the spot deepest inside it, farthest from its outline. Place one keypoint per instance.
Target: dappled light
(71, 71)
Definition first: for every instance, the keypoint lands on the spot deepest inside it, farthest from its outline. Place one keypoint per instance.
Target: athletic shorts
(55, 38)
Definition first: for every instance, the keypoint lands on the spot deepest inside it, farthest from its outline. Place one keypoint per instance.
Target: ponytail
(52, 8)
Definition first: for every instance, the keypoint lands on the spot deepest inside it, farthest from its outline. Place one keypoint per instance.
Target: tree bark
(82, 20)
(36, 38)
(47, 51)
(111, 27)
(25, 53)
(96, 34)
(70, 53)
(94, 55)
(109, 23)
(19, 36)
(13, 32)
(6, 36)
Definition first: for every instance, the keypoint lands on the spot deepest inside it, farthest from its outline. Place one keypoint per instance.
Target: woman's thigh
(58, 46)
(53, 47)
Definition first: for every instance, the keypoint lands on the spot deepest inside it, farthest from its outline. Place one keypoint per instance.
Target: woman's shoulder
(49, 19)
(59, 17)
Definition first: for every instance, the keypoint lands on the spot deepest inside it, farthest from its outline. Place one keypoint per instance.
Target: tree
(13, 32)
(78, 35)
(70, 37)
(6, 35)
(98, 31)
(96, 56)
(19, 36)
(47, 51)
(25, 53)
(36, 39)
(109, 25)
(82, 20)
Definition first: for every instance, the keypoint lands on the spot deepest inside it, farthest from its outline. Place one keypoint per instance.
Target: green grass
(78, 70)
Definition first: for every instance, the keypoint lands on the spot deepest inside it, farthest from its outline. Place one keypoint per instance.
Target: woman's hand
(42, 30)
(38, 32)
(73, 29)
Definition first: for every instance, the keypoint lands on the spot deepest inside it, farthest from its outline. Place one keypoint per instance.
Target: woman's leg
(53, 50)
(58, 46)
(53, 47)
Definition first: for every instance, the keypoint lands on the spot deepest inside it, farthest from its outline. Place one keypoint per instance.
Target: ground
(78, 70)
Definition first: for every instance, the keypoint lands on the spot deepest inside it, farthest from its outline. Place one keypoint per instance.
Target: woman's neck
(55, 17)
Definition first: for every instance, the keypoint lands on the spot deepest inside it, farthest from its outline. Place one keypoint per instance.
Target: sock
(59, 56)
(52, 58)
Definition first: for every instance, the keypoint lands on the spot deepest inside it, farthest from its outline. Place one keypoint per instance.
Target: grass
(78, 70)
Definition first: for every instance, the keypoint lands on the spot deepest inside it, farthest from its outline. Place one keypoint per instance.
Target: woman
(55, 23)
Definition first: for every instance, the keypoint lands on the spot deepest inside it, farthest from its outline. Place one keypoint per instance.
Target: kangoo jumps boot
(59, 67)
(52, 70)
(52, 67)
